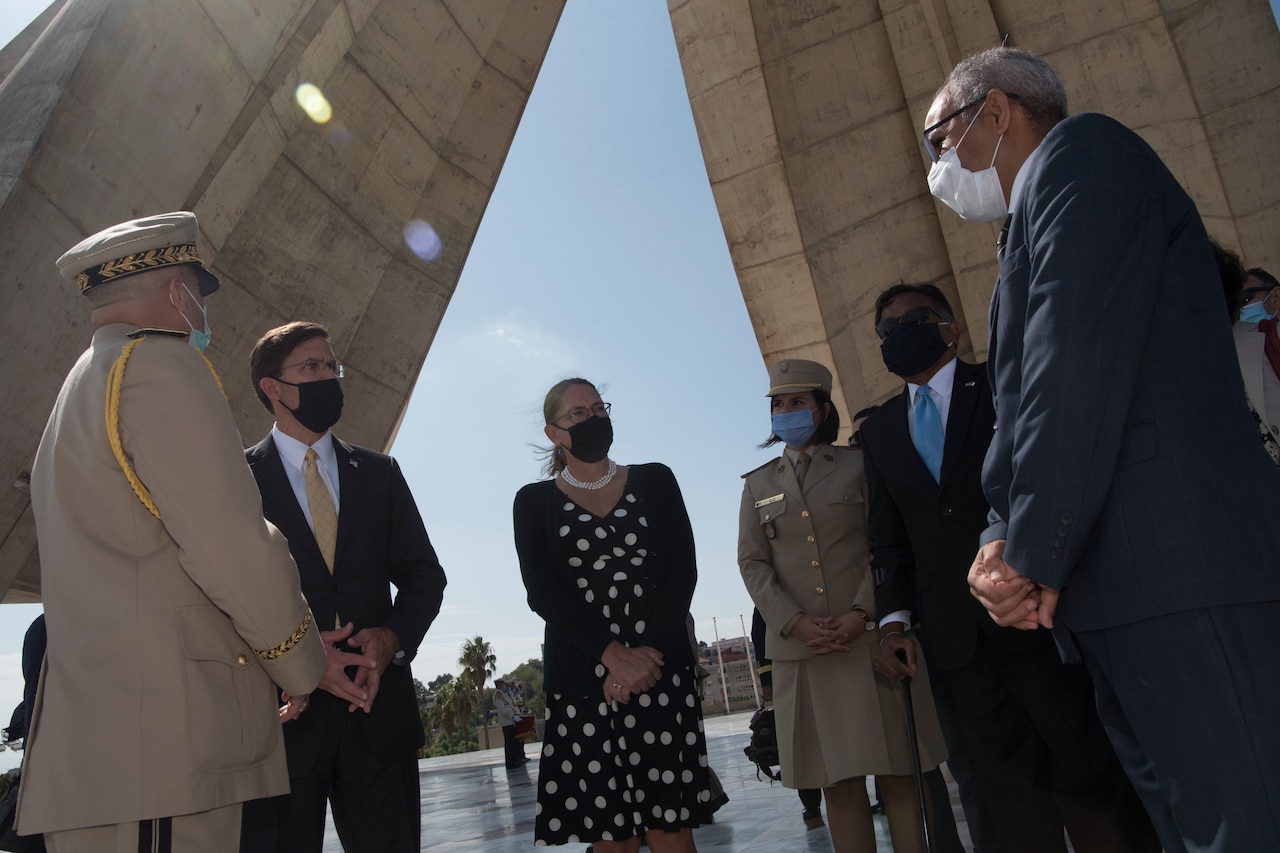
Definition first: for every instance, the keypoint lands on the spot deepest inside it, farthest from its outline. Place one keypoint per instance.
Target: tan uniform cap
(796, 374)
(137, 246)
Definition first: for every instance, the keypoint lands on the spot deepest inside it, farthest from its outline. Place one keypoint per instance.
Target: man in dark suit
(355, 532)
(1132, 502)
(1019, 719)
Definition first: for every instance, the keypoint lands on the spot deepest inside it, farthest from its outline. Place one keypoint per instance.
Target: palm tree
(452, 708)
(478, 662)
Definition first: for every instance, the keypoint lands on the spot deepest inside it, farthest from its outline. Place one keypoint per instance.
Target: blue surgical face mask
(795, 428)
(198, 339)
(1255, 313)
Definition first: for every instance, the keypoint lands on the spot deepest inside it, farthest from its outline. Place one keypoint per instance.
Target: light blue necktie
(928, 432)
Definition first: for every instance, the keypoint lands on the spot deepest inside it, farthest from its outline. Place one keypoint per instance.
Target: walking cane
(915, 752)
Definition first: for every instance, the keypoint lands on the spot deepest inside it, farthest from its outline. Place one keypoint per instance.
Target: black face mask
(319, 403)
(914, 348)
(591, 439)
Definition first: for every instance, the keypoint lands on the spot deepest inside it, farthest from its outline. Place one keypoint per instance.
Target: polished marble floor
(472, 803)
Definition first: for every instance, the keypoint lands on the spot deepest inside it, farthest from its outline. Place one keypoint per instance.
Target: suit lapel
(823, 463)
(349, 482)
(279, 502)
(965, 392)
(784, 474)
(899, 444)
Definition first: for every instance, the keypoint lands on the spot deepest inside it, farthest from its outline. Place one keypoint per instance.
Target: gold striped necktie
(324, 518)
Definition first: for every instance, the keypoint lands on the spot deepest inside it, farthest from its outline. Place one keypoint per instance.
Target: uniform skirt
(838, 719)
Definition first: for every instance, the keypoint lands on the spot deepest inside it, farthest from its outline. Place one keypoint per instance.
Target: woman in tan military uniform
(803, 552)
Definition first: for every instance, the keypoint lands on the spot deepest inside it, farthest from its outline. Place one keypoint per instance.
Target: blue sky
(600, 255)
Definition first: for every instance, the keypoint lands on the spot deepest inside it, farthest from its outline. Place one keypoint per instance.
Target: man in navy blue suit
(1131, 501)
(355, 532)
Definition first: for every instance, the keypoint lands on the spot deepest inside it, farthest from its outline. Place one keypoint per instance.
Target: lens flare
(313, 103)
(423, 240)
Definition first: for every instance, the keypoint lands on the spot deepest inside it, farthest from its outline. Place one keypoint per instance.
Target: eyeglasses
(313, 367)
(581, 413)
(929, 148)
(914, 317)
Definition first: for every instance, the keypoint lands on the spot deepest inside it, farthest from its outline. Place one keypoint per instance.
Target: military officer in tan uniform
(805, 559)
(172, 606)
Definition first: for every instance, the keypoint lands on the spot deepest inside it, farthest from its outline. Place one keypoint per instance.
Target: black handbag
(763, 748)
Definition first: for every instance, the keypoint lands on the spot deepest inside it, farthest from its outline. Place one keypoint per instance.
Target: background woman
(607, 556)
(802, 549)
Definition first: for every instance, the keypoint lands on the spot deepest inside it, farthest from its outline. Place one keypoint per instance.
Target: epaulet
(753, 470)
(169, 333)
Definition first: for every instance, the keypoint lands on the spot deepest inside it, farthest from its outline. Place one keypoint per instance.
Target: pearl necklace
(594, 484)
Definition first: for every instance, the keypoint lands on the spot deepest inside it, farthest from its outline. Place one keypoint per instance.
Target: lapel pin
(355, 463)
(971, 383)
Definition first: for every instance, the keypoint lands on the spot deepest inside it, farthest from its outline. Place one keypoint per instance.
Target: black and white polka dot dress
(613, 771)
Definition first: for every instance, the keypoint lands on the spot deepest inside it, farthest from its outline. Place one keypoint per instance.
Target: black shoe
(812, 819)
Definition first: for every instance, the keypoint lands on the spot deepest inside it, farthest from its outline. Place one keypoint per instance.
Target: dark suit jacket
(924, 534)
(1126, 469)
(577, 634)
(381, 543)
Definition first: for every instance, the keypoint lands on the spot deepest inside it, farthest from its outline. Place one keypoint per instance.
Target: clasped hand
(377, 646)
(827, 634)
(630, 670)
(1010, 597)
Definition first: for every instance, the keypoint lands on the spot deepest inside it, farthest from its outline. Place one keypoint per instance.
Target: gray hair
(1015, 72)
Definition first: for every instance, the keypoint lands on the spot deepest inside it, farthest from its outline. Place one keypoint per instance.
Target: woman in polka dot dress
(607, 557)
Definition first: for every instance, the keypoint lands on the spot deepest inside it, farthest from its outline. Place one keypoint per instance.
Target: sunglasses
(914, 317)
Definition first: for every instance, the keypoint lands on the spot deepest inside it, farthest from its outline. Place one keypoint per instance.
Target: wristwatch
(870, 623)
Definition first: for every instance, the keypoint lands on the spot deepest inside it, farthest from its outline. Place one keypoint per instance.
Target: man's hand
(1010, 598)
(380, 646)
(335, 679)
(293, 706)
(819, 634)
(635, 669)
(893, 636)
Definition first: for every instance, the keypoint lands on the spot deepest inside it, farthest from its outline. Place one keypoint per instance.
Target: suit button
(804, 514)
(814, 564)
(337, 587)
(820, 591)
(946, 513)
(1057, 554)
(1065, 518)
(243, 660)
(768, 517)
(810, 540)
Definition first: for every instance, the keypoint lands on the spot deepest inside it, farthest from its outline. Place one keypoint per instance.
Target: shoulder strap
(115, 381)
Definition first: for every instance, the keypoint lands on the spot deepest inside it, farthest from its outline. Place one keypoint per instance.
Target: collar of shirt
(941, 385)
(1020, 181)
(793, 455)
(293, 454)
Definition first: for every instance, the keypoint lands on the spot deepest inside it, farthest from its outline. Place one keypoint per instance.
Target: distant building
(738, 678)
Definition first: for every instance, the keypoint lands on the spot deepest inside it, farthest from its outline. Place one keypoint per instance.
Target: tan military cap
(796, 374)
(137, 246)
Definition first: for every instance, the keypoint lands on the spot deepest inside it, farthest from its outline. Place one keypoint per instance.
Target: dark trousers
(512, 749)
(1040, 756)
(1192, 703)
(376, 804)
(981, 830)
